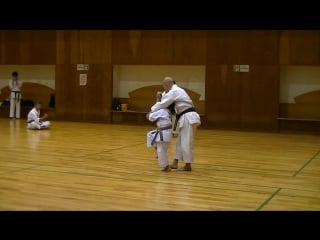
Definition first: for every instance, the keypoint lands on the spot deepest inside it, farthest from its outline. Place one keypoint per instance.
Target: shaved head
(168, 80)
(167, 83)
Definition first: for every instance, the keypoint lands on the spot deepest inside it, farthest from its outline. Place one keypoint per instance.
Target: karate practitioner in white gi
(34, 120)
(15, 86)
(160, 138)
(187, 121)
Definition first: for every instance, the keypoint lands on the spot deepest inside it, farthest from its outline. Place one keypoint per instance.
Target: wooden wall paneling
(225, 47)
(95, 50)
(242, 47)
(12, 47)
(98, 93)
(68, 47)
(28, 47)
(60, 91)
(189, 47)
(242, 100)
(263, 47)
(126, 46)
(157, 47)
(233, 99)
(284, 47)
(69, 95)
(300, 47)
(223, 96)
(3, 35)
(91, 102)
(95, 47)
(260, 98)
(42, 47)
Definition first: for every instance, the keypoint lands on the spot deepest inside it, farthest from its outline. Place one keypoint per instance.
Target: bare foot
(187, 168)
(166, 169)
(174, 165)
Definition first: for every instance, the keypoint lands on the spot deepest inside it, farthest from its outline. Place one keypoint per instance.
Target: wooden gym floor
(95, 166)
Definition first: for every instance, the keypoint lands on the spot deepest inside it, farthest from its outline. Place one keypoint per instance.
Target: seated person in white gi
(34, 119)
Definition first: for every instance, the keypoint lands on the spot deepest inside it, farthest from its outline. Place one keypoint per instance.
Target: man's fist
(159, 96)
(44, 116)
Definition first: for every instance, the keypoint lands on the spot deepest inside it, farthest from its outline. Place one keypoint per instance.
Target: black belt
(159, 130)
(16, 94)
(30, 121)
(192, 109)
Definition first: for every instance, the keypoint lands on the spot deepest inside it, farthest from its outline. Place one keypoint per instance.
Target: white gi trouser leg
(45, 124)
(12, 104)
(37, 125)
(18, 108)
(33, 125)
(184, 144)
(162, 151)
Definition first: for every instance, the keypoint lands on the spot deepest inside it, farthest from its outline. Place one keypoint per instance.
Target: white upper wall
(42, 74)
(296, 80)
(127, 78)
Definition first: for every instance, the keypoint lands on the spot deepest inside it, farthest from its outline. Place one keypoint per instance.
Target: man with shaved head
(187, 120)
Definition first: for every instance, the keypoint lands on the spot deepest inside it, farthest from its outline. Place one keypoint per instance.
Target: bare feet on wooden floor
(166, 169)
